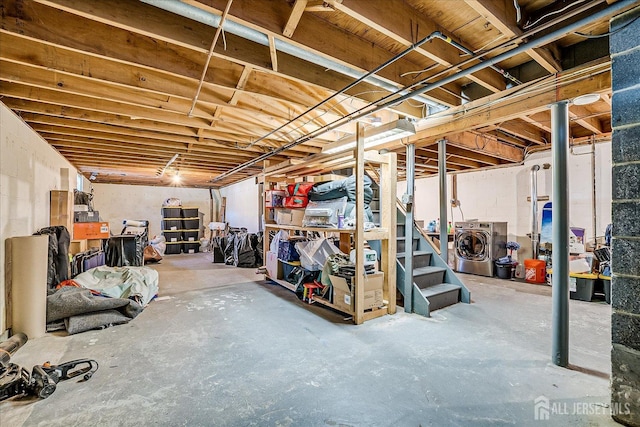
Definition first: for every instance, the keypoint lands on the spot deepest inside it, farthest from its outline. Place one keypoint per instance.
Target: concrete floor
(226, 348)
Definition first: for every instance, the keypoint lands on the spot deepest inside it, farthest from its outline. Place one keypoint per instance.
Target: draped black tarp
(58, 261)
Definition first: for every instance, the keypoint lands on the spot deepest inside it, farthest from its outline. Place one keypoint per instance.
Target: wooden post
(388, 217)
(359, 237)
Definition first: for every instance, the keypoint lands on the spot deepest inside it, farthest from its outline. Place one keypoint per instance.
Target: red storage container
(535, 271)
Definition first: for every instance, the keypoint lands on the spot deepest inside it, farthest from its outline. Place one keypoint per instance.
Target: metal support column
(442, 174)
(560, 233)
(408, 229)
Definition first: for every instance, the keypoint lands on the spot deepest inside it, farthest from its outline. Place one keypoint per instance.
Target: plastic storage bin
(172, 212)
(172, 224)
(172, 236)
(191, 247)
(173, 248)
(581, 286)
(191, 223)
(189, 213)
(606, 284)
(190, 235)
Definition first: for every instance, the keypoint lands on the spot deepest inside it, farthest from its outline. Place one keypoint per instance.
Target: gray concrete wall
(625, 262)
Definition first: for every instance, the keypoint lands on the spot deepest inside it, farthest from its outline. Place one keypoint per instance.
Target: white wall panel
(243, 208)
(117, 202)
(29, 170)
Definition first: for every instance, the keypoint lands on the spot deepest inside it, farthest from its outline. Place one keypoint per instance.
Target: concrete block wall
(29, 169)
(625, 260)
(501, 194)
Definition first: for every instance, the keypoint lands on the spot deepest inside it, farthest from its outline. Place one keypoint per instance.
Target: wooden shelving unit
(289, 172)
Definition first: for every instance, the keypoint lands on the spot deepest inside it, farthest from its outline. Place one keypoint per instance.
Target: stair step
(420, 258)
(428, 276)
(425, 277)
(400, 244)
(441, 295)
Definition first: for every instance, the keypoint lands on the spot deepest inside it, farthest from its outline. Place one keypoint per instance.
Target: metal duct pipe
(612, 9)
(535, 233)
(204, 17)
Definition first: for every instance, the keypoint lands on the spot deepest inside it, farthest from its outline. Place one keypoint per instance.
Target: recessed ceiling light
(589, 98)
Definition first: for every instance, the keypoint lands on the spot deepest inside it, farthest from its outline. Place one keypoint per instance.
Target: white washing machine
(478, 245)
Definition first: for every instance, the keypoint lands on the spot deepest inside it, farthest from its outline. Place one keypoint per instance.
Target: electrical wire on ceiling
(597, 36)
(518, 14)
(555, 12)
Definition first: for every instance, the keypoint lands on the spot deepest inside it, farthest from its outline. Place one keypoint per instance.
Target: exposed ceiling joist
(502, 15)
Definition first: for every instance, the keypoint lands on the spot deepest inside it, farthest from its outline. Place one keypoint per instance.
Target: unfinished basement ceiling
(114, 85)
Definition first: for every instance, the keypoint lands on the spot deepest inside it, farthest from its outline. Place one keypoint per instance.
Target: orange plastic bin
(535, 271)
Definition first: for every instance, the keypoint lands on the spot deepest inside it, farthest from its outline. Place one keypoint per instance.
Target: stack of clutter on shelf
(86, 221)
(316, 268)
(75, 211)
(180, 228)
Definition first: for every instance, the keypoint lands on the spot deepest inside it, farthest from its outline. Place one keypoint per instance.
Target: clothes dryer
(478, 245)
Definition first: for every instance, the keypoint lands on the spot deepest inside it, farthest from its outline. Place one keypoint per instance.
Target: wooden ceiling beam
(585, 118)
(38, 112)
(211, 151)
(328, 41)
(144, 36)
(392, 19)
(69, 149)
(294, 17)
(255, 123)
(541, 119)
(279, 102)
(525, 131)
(493, 109)
(59, 97)
(485, 145)
(462, 153)
(432, 156)
(502, 15)
(136, 144)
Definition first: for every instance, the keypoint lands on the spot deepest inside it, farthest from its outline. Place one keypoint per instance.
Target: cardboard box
(290, 217)
(61, 210)
(343, 297)
(274, 268)
(91, 230)
(273, 198)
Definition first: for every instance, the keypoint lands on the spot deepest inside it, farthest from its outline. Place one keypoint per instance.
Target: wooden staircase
(435, 285)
